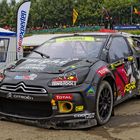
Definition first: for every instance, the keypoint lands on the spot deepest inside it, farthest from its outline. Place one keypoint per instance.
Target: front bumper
(72, 120)
(56, 122)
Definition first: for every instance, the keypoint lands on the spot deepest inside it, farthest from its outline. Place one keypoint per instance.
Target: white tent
(6, 32)
(7, 46)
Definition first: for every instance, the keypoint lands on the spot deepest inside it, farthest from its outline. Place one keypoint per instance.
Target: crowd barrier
(67, 30)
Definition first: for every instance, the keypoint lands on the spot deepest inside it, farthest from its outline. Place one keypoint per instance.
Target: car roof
(90, 34)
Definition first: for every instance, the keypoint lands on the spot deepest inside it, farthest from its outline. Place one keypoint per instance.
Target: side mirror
(130, 58)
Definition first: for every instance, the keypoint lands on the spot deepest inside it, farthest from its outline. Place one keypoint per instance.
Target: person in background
(106, 21)
(111, 21)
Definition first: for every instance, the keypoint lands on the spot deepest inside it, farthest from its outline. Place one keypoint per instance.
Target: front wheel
(104, 103)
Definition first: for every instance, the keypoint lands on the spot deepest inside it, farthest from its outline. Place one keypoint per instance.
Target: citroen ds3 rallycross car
(72, 81)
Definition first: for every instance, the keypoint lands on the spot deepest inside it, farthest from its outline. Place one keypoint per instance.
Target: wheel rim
(104, 103)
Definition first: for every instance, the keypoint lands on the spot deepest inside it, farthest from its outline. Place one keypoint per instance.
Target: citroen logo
(9, 95)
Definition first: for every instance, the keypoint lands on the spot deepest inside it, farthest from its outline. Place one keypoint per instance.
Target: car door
(122, 65)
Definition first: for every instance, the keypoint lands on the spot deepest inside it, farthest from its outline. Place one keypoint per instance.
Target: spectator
(106, 21)
(111, 21)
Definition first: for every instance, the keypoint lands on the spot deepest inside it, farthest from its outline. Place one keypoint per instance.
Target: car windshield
(71, 47)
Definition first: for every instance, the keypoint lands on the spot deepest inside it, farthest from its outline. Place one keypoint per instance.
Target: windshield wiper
(42, 54)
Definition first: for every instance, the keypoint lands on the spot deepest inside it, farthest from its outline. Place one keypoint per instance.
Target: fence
(67, 30)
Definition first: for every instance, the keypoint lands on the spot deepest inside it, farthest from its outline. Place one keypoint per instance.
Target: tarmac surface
(125, 125)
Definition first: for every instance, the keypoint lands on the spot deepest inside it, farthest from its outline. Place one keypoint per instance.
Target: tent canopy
(4, 32)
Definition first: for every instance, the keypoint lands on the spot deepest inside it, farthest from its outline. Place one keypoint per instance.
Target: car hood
(50, 65)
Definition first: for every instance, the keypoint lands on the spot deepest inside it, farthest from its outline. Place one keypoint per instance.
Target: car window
(72, 47)
(118, 49)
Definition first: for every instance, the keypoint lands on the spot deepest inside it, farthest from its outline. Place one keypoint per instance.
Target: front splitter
(54, 123)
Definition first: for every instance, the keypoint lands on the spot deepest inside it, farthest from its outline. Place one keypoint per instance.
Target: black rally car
(72, 81)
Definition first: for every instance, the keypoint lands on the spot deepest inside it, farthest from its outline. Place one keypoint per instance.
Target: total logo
(61, 97)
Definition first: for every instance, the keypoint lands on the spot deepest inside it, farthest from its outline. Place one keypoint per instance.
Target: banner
(22, 18)
(127, 27)
(75, 15)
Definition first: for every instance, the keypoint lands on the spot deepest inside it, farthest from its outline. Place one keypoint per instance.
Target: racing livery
(72, 81)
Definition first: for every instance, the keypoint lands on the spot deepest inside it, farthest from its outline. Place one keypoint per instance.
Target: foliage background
(57, 13)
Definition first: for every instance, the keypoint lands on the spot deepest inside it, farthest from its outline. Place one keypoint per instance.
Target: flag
(22, 18)
(75, 15)
(105, 12)
(136, 11)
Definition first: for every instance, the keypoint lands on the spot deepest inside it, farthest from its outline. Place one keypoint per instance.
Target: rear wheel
(104, 103)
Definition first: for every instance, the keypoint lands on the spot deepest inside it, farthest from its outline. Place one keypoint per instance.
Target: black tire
(104, 103)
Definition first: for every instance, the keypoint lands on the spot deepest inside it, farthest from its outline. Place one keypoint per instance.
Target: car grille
(25, 108)
(21, 87)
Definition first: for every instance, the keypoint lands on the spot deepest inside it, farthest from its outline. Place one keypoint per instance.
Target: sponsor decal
(54, 107)
(129, 87)
(33, 66)
(125, 77)
(73, 67)
(75, 39)
(70, 68)
(37, 64)
(85, 115)
(103, 70)
(121, 79)
(116, 64)
(26, 77)
(16, 96)
(58, 62)
(53, 102)
(90, 91)
(130, 58)
(65, 80)
(62, 97)
(79, 108)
